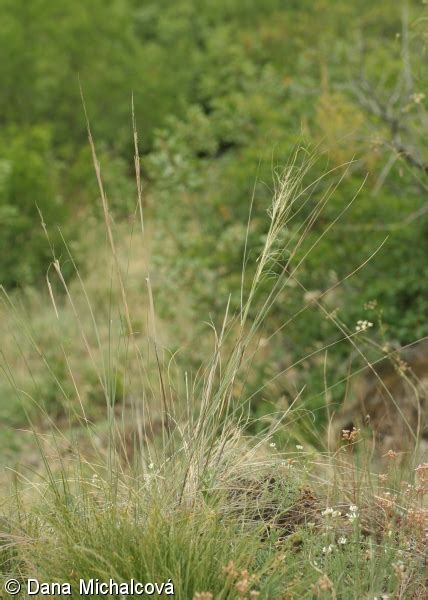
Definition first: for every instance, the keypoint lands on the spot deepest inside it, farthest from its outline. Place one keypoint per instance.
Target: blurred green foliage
(27, 185)
(224, 91)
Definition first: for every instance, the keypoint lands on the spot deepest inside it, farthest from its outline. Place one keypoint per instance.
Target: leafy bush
(28, 186)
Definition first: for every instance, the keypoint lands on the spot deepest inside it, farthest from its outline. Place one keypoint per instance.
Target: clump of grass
(191, 497)
(267, 536)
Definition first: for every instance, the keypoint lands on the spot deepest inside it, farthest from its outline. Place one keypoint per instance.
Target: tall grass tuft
(172, 486)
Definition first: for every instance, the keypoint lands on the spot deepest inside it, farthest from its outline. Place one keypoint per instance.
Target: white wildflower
(353, 513)
(362, 325)
(370, 305)
(327, 512)
(330, 512)
(417, 98)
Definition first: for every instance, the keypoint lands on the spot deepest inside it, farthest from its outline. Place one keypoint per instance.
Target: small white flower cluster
(370, 305)
(342, 540)
(399, 567)
(328, 549)
(288, 464)
(272, 445)
(299, 447)
(417, 98)
(363, 325)
(353, 513)
(330, 512)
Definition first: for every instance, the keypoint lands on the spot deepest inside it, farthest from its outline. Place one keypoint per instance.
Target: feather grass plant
(194, 499)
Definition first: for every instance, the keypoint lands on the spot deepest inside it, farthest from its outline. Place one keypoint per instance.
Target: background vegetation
(223, 93)
(151, 406)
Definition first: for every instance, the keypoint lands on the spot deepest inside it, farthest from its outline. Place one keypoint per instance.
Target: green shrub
(28, 186)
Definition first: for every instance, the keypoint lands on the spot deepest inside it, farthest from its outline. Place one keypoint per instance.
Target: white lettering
(33, 587)
(86, 588)
(54, 588)
(139, 588)
(102, 588)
